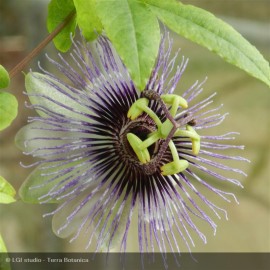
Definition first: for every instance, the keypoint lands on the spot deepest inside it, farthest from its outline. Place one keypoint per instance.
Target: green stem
(41, 45)
(173, 151)
(152, 115)
(150, 140)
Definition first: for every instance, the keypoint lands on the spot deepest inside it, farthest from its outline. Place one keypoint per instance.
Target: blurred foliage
(243, 9)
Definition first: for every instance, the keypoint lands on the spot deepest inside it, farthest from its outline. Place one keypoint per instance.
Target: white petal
(49, 93)
(30, 137)
(42, 183)
(39, 139)
(64, 227)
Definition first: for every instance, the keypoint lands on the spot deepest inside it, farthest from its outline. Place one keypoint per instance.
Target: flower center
(143, 132)
(145, 139)
(141, 128)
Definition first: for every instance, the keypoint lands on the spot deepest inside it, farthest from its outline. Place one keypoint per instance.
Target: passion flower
(109, 152)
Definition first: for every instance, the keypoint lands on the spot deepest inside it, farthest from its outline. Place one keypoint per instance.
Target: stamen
(135, 142)
(153, 137)
(164, 131)
(195, 138)
(175, 101)
(140, 106)
(176, 165)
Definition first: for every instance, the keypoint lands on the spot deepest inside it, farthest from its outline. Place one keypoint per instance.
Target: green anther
(140, 106)
(135, 142)
(175, 101)
(193, 135)
(137, 108)
(177, 165)
(196, 142)
(174, 167)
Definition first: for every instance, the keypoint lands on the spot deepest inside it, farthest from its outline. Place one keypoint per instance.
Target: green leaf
(3, 248)
(205, 29)
(8, 109)
(87, 18)
(4, 198)
(4, 77)
(7, 192)
(134, 32)
(58, 10)
(4, 257)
